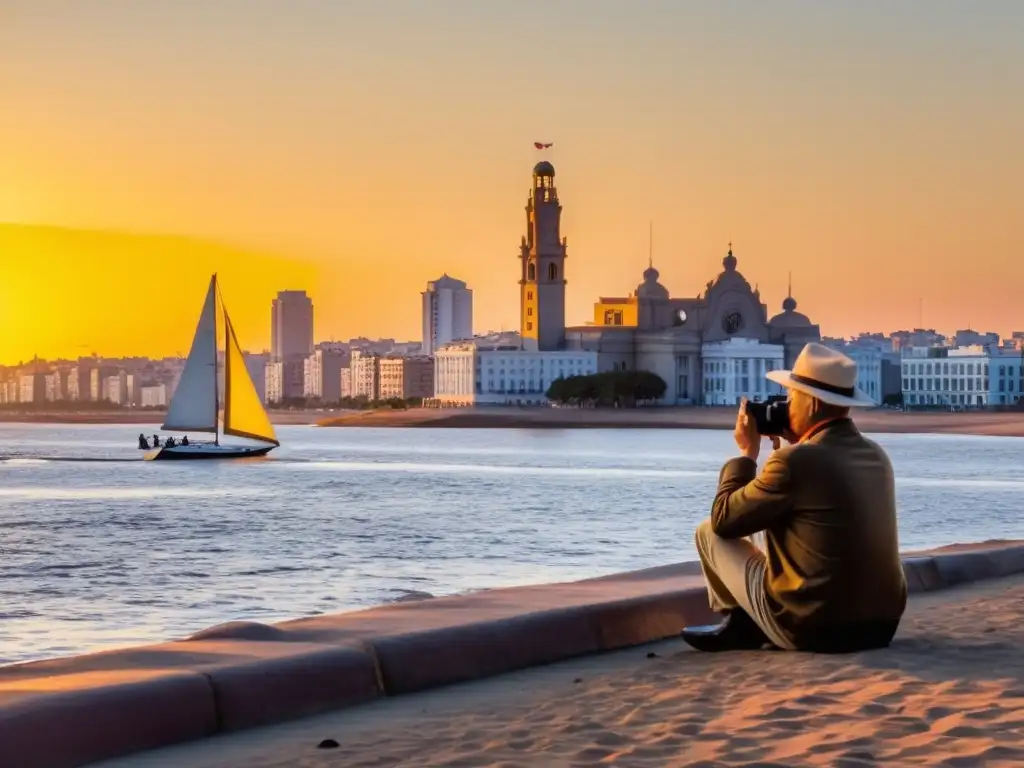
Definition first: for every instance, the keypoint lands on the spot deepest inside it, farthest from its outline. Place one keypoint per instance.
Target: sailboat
(195, 406)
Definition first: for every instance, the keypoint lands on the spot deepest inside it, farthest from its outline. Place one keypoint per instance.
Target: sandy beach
(1005, 424)
(950, 692)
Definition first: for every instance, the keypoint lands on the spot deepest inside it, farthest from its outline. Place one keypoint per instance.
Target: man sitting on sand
(830, 577)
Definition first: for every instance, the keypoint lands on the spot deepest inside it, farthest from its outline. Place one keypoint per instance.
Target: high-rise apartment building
(57, 385)
(365, 375)
(406, 377)
(79, 382)
(291, 325)
(322, 375)
(97, 376)
(153, 396)
(284, 380)
(447, 313)
(32, 388)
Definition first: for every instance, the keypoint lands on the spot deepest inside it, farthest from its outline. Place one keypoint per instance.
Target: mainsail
(244, 415)
(194, 405)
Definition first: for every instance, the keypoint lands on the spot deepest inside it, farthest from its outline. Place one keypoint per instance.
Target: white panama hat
(826, 374)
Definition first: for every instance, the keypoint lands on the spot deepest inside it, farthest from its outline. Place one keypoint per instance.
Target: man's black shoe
(738, 632)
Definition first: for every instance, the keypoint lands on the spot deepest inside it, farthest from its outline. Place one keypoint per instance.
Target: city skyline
(868, 150)
(250, 336)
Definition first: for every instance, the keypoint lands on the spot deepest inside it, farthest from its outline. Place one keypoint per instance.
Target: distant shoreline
(878, 421)
(132, 417)
(1005, 424)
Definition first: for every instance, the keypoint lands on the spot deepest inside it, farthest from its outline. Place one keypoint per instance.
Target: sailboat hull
(200, 451)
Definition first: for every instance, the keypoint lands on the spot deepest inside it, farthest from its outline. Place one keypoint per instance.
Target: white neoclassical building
(966, 377)
(940, 376)
(468, 373)
(1006, 379)
(735, 368)
(869, 370)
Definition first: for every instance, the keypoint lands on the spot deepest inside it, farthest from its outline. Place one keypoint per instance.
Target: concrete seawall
(73, 711)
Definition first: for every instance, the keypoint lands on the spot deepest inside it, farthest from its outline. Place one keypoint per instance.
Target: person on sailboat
(156, 441)
(143, 443)
(197, 403)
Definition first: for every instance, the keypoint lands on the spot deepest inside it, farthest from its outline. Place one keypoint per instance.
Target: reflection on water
(592, 473)
(124, 551)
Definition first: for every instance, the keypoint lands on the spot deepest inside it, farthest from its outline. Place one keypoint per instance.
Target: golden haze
(868, 148)
(70, 292)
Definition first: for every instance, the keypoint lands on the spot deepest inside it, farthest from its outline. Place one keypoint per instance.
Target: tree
(624, 388)
(558, 391)
(649, 386)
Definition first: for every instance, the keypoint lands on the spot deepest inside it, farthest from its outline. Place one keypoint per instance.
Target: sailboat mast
(216, 379)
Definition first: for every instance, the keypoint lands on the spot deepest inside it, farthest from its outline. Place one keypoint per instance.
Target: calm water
(113, 553)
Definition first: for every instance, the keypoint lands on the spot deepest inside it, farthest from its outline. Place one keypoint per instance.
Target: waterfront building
(78, 382)
(97, 375)
(365, 375)
(688, 341)
(10, 390)
(32, 388)
(447, 313)
(284, 380)
(406, 377)
(57, 385)
(468, 373)
(291, 325)
(974, 376)
(153, 396)
(712, 349)
(110, 389)
(1006, 377)
(322, 375)
(542, 255)
(735, 368)
(869, 354)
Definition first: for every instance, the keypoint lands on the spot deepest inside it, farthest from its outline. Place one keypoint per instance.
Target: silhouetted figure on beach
(830, 578)
(143, 443)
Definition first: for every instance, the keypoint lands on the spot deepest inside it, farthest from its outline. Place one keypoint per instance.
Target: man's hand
(747, 438)
(788, 436)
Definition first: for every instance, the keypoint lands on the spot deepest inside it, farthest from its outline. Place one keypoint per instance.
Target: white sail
(194, 405)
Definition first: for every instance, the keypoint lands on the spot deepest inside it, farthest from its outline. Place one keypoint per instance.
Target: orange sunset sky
(358, 150)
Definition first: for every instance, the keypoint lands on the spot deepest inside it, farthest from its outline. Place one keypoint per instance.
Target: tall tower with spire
(542, 256)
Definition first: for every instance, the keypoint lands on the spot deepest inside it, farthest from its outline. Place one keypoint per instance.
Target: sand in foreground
(950, 691)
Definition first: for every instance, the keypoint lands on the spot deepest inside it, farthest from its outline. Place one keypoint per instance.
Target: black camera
(771, 416)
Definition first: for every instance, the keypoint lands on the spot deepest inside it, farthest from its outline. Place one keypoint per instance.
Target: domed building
(712, 349)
